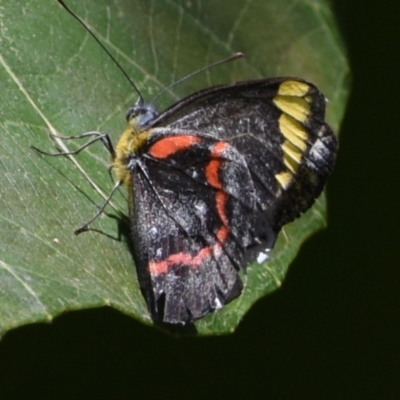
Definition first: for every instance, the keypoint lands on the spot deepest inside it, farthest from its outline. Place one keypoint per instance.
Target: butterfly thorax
(133, 138)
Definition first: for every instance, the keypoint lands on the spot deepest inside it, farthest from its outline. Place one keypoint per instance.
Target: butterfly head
(141, 113)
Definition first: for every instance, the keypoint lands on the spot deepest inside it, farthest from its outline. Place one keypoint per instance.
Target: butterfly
(212, 180)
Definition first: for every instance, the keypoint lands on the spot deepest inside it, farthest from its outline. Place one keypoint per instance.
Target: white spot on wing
(201, 208)
(319, 152)
(263, 256)
(217, 303)
(153, 233)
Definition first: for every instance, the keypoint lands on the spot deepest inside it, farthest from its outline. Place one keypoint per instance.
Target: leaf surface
(55, 78)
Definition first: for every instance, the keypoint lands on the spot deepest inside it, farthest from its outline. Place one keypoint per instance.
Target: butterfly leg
(104, 138)
(93, 138)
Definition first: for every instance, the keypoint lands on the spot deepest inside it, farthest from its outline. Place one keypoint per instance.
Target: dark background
(331, 332)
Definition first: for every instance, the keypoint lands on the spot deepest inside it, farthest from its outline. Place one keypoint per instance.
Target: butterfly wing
(222, 171)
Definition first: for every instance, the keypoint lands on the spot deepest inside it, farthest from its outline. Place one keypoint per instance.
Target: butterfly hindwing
(194, 213)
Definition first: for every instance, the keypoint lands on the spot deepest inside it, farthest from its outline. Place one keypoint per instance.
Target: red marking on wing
(170, 145)
(162, 267)
(213, 167)
(218, 149)
(221, 198)
(220, 203)
(222, 234)
(212, 170)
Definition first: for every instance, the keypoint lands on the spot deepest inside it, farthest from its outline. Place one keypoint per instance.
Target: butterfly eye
(131, 113)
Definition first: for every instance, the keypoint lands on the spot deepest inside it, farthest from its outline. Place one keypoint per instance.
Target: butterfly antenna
(233, 57)
(103, 47)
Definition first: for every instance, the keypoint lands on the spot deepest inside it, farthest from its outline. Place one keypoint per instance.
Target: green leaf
(55, 78)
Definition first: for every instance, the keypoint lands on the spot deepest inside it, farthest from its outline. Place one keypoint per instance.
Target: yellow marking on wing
(294, 103)
(284, 179)
(293, 131)
(291, 155)
(296, 107)
(293, 88)
(308, 99)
